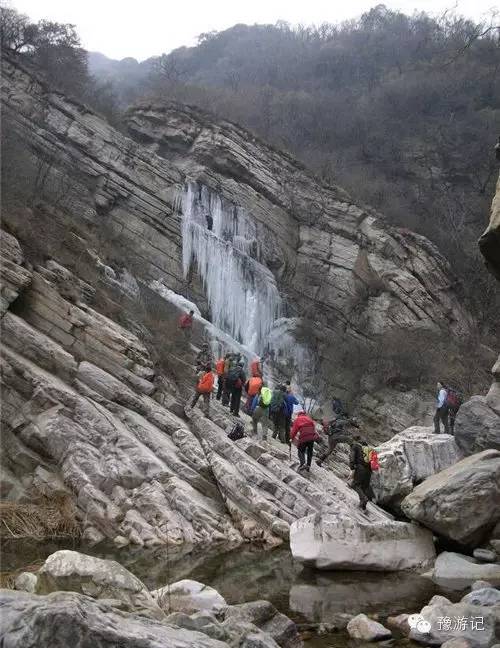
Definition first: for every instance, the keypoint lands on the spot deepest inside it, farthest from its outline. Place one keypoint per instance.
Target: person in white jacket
(441, 415)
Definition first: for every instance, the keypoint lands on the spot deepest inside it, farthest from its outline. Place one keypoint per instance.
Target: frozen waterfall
(242, 294)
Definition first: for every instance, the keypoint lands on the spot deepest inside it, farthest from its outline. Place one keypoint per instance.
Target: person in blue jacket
(290, 401)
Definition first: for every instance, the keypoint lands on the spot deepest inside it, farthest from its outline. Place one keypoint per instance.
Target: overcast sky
(143, 28)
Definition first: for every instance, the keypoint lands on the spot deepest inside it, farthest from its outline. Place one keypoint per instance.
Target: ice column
(242, 294)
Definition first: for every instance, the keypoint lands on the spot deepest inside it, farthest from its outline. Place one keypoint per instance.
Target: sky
(144, 28)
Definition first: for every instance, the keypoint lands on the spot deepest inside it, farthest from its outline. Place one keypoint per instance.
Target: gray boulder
(479, 584)
(447, 621)
(486, 596)
(101, 579)
(267, 618)
(189, 596)
(26, 582)
(64, 619)
(448, 502)
(362, 627)
(484, 555)
(334, 541)
(455, 571)
(477, 426)
(408, 458)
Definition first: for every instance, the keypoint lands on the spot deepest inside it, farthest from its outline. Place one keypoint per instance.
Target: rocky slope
(309, 271)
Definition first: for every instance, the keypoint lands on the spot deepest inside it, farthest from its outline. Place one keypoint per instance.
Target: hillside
(401, 111)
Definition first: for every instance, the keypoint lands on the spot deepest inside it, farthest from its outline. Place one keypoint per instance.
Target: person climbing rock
(256, 367)
(204, 388)
(290, 401)
(303, 435)
(361, 471)
(277, 412)
(186, 324)
(261, 412)
(252, 387)
(236, 379)
(454, 400)
(441, 415)
(337, 431)
(204, 356)
(219, 369)
(228, 365)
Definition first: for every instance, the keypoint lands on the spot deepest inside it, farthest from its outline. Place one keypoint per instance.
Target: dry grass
(45, 519)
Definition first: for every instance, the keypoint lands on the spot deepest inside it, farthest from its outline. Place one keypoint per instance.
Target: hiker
(290, 401)
(261, 411)
(236, 379)
(256, 367)
(204, 388)
(228, 365)
(204, 356)
(219, 369)
(454, 400)
(441, 415)
(277, 412)
(252, 388)
(303, 435)
(186, 324)
(337, 431)
(361, 470)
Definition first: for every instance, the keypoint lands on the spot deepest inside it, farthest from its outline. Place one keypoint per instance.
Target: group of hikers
(273, 408)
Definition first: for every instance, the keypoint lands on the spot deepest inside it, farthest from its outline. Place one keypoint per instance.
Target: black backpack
(233, 375)
(238, 431)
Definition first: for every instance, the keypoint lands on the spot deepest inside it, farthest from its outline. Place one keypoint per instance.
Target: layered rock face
(285, 257)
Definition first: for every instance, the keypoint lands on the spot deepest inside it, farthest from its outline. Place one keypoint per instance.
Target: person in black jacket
(236, 379)
(361, 472)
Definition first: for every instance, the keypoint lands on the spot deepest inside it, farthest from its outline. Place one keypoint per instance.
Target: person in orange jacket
(256, 368)
(252, 388)
(303, 435)
(204, 389)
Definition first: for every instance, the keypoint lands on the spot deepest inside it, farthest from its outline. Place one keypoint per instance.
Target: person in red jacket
(204, 389)
(186, 324)
(303, 435)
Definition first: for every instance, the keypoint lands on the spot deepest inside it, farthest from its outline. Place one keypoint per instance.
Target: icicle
(241, 292)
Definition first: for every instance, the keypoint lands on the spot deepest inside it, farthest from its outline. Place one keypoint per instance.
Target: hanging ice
(221, 240)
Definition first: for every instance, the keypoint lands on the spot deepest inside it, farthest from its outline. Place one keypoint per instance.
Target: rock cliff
(272, 257)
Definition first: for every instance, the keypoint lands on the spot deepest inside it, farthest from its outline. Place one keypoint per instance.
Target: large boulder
(189, 596)
(266, 617)
(489, 243)
(101, 579)
(362, 627)
(64, 619)
(333, 541)
(455, 571)
(408, 458)
(448, 502)
(477, 426)
(484, 596)
(445, 621)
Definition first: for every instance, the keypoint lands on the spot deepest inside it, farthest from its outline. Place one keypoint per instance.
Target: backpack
(265, 397)
(219, 367)
(238, 431)
(277, 401)
(233, 377)
(206, 383)
(370, 457)
(338, 426)
(453, 399)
